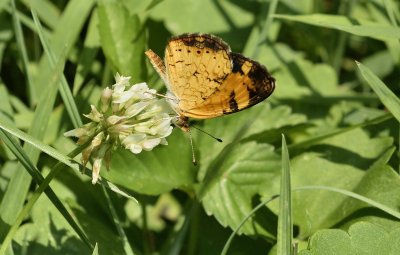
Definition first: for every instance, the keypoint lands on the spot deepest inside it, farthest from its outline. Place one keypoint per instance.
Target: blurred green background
(340, 120)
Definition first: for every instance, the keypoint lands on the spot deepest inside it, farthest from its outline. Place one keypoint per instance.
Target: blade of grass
(88, 54)
(95, 250)
(353, 26)
(44, 182)
(17, 189)
(259, 34)
(387, 97)
(285, 227)
(47, 11)
(26, 21)
(266, 26)
(65, 92)
(127, 247)
(179, 235)
(316, 139)
(391, 12)
(145, 229)
(345, 8)
(22, 49)
(380, 206)
(69, 27)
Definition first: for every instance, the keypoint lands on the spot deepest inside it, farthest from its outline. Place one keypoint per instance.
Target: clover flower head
(127, 115)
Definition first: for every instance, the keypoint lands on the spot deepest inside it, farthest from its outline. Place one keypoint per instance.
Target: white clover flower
(127, 115)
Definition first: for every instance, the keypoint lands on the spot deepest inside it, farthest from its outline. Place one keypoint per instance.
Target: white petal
(94, 114)
(136, 108)
(77, 132)
(135, 149)
(151, 143)
(113, 119)
(134, 138)
(96, 170)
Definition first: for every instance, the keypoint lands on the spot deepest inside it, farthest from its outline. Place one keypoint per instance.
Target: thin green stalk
(194, 228)
(265, 25)
(316, 139)
(22, 49)
(391, 12)
(127, 248)
(146, 233)
(249, 215)
(383, 207)
(344, 9)
(178, 237)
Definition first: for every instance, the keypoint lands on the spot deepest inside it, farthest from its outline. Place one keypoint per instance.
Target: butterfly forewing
(196, 66)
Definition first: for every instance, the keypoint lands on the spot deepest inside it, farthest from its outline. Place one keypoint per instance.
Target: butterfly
(206, 80)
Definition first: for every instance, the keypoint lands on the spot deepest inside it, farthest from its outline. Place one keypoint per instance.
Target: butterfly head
(182, 122)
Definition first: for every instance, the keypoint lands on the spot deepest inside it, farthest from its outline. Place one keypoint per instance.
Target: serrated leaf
(229, 189)
(362, 238)
(381, 184)
(251, 124)
(122, 39)
(339, 162)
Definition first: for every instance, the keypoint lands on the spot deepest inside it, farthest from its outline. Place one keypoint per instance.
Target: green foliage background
(331, 60)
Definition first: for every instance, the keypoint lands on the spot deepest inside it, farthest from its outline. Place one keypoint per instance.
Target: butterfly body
(206, 80)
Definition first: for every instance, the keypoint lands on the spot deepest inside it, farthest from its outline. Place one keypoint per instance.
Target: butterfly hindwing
(247, 84)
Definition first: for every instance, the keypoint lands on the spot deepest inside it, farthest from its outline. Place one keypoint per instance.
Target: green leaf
(354, 26)
(231, 186)
(340, 162)
(362, 238)
(381, 184)
(256, 123)
(388, 98)
(176, 19)
(154, 172)
(122, 39)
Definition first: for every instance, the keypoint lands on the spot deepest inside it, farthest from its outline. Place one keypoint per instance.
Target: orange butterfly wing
(207, 79)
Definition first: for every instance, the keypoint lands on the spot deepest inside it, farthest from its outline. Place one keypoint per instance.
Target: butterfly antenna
(192, 147)
(210, 135)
